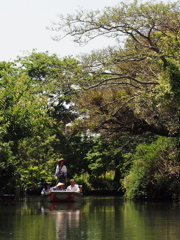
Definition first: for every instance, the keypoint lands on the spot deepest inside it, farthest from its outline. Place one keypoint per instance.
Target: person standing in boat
(73, 187)
(61, 171)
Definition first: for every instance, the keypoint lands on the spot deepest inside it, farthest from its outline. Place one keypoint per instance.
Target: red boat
(63, 196)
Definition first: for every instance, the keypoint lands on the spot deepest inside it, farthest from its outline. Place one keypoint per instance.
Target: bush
(155, 171)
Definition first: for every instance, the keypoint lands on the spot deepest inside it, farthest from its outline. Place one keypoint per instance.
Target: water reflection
(96, 218)
(66, 216)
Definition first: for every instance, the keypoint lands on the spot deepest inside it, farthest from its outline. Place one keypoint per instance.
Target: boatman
(61, 171)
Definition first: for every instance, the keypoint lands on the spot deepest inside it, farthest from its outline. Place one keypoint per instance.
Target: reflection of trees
(114, 218)
(104, 218)
(99, 218)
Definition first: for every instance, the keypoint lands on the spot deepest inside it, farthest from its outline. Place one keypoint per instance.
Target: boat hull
(63, 196)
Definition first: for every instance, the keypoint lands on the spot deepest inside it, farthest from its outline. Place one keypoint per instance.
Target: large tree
(133, 87)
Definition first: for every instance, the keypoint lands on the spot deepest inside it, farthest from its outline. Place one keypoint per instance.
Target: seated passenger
(73, 187)
(46, 188)
(58, 187)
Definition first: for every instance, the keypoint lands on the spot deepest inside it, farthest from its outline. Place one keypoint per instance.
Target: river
(96, 218)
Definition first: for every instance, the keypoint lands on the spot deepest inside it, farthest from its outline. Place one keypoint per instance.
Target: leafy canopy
(134, 86)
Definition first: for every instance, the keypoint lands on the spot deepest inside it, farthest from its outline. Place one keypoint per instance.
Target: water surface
(96, 218)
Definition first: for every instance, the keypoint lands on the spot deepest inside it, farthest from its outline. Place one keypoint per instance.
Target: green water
(96, 218)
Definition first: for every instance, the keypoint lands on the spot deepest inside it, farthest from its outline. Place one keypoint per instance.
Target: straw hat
(59, 184)
(62, 159)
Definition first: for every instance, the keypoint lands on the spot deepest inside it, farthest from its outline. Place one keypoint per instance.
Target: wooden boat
(62, 196)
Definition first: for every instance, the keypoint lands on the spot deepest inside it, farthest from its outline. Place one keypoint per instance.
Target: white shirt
(61, 170)
(75, 188)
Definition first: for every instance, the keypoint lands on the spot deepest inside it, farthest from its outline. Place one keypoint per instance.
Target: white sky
(23, 26)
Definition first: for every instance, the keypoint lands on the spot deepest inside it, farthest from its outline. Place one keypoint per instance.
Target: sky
(23, 27)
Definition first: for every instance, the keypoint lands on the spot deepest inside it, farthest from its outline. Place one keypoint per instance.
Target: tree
(56, 77)
(32, 126)
(105, 157)
(134, 87)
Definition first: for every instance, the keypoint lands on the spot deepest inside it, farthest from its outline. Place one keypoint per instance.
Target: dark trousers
(61, 179)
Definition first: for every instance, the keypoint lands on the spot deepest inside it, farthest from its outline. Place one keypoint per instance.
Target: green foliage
(75, 152)
(126, 86)
(55, 75)
(31, 140)
(106, 162)
(155, 170)
(102, 182)
(38, 156)
(7, 167)
(96, 182)
(172, 74)
(98, 158)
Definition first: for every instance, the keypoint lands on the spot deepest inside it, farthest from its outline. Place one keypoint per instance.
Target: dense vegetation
(113, 114)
